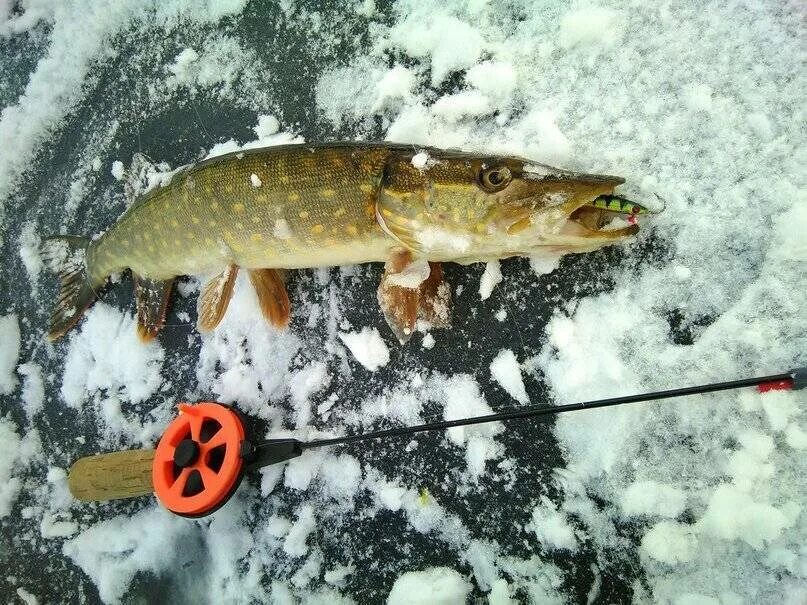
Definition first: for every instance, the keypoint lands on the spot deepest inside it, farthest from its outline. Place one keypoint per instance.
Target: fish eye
(495, 178)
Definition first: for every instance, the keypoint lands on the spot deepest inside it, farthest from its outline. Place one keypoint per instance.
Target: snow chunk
(733, 514)
(304, 383)
(295, 542)
(453, 108)
(589, 26)
(463, 399)
(491, 277)
(551, 527)
(106, 355)
(543, 264)
(395, 84)
(450, 43)
(117, 170)
(267, 127)
(423, 161)
(505, 370)
(33, 389)
(113, 551)
(367, 347)
(181, 67)
(670, 542)
(796, 437)
(26, 597)
(411, 276)
(256, 182)
(428, 341)
(494, 78)
(29, 251)
(9, 352)
(652, 498)
(9, 486)
(433, 586)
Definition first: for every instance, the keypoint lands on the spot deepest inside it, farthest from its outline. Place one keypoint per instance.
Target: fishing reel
(201, 458)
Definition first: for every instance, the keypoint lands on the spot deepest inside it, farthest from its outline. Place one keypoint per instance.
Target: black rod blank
(791, 379)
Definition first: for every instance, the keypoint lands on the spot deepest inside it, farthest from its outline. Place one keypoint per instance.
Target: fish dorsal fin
(152, 297)
(215, 298)
(272, 296)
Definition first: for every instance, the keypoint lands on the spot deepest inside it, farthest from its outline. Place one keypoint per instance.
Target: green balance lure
(620, 205)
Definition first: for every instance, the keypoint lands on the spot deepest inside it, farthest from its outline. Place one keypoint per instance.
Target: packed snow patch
(367, 347)
(551, 527)
(9, 352)
(433, 586)
(506, 371)
(106, 356)
(490, 279)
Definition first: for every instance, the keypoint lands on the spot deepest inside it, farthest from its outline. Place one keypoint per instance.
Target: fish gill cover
(699, 500)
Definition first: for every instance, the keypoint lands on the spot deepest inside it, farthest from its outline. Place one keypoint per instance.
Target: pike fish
(303, 205)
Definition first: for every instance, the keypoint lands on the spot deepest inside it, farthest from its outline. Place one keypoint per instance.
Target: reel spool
(198, 463)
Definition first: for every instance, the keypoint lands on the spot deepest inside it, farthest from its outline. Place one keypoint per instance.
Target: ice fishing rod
(203, 454)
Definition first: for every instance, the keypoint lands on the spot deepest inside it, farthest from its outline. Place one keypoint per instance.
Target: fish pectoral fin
(272, 296)
(405, 294)
(152, 297)
(435, 296)
(215, 298)
(392, 215)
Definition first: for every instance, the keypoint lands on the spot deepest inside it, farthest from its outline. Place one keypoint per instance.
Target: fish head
(463, 207)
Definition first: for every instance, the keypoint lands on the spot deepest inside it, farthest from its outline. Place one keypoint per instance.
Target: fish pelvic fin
(407, 293)
(215, 299)
(66, 256)
(152, 297)
(272, 296)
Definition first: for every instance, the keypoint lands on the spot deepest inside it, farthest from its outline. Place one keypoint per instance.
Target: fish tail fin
(65, 255)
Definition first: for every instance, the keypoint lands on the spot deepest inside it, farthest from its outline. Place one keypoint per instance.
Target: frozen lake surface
(699, 500)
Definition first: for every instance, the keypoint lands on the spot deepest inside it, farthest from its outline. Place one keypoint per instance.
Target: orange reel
(198, 463)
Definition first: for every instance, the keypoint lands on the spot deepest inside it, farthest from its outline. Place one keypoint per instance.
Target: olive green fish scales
(276, 207)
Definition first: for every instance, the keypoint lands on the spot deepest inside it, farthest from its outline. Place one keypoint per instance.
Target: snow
(29, 251)
(433, 586)
(551, 527)
(422, 161)
(670, 542)
(117, 170)
(710, 488)
(428, 341)
(295, 541)
(112, 552)
(411, 276)
(254, 180)
(505, 370)
(9, 484)
(303, 384)
(490, 278)
(652, 498)
(367, 347)
(589, 26)
(105, 358)
(33, 389)
(9, 352)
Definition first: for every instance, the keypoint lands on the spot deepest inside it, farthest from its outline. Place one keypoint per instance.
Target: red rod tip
(775, 385)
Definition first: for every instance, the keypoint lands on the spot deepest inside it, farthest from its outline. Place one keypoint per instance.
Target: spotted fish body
(304, 207)
(299, 206)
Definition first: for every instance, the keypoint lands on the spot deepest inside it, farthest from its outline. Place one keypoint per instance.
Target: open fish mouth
(597, 222)
(607, 217)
